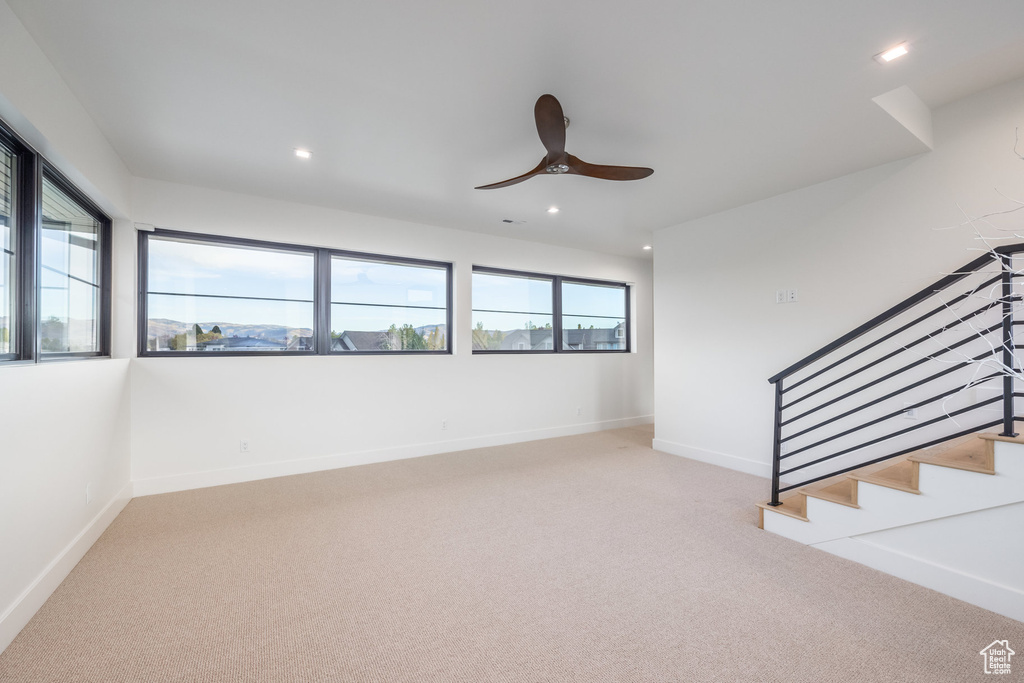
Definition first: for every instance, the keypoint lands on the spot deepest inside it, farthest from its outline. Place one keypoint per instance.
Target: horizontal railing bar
(901, 432)
(895, 413)
(892, 374)
(965, 432)
(896, 332)
(898, 351)
(908, 303)
(941, 373)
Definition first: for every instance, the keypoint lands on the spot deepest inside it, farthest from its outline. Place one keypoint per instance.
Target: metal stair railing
(836, 410)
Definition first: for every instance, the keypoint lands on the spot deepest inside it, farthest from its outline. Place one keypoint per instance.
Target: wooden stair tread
(842, 492)
(901, 476)
(972, 456)
(1009, 439)
(794, 506)
(972, 453)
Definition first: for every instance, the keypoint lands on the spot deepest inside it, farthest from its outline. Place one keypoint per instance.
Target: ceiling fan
(551, 125)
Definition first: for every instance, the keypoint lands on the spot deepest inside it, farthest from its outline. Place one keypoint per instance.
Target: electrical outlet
(908, 412)
(579, 411)
(88, 493)
(444, 425)
(791, 295)
(243, 446)
(780, 296)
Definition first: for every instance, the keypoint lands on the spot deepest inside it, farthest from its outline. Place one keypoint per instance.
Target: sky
(365, 295)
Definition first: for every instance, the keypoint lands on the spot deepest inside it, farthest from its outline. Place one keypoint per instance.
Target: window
(512, 311)
(526, 312)
(204, 295)
(54, 264)
(389, 305)
(70, 287)
(8, 264)
(593, 316)
(225, 296)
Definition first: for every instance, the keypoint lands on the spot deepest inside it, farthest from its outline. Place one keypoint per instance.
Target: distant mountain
(164, 328)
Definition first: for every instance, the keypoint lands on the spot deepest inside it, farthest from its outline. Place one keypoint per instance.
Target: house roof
(357, 340)
(407, 106)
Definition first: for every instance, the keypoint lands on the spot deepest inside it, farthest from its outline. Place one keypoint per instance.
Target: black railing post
(777, 445)
(1006, 260)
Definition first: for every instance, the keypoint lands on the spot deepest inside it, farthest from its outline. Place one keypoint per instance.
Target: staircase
(896, 445)
(935, 494)
(972, 473)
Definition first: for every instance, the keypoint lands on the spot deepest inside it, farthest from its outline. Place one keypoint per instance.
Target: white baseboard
(733, 462)
(32, 598)
(976, 590)
(283, 468)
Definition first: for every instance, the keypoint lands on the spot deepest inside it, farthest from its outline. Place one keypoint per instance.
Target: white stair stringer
(944, 491)
(962, 535)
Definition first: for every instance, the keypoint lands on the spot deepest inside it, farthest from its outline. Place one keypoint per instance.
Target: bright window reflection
(593, 317)
(215, 297)
(69, 301)
(388, 306)
(7, 267)
(512, 312)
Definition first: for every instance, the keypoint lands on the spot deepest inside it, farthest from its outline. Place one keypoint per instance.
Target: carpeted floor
(586, 558)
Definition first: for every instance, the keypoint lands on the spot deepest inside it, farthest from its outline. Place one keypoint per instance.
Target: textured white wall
(852, 247)
(301, 414)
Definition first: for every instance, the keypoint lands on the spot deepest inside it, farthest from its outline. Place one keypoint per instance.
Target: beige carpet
(588, 558)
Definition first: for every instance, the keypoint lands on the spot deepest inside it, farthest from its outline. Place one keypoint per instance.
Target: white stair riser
(944, 491)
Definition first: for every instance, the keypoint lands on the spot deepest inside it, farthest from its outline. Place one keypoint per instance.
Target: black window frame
(556, 325)
(380, 258)
(321, 295)
(32, 168)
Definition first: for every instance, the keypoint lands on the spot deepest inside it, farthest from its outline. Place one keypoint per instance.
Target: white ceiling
(407, 105)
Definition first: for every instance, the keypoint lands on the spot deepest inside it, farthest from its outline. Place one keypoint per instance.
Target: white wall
(302, 414)
(852, 248)
(63, 426)
(37, 102)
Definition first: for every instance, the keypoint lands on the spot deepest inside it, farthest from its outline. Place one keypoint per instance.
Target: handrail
(881, 435)
(908, 303)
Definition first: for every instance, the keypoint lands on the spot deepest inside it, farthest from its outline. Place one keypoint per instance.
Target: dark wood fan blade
(580, 167)
(550, 124)
(518, 179)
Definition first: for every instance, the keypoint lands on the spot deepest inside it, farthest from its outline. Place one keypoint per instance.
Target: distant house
(301, 344)
(241, 344)
(527, 340)
(356, 340)
(603, 339)
(598, 339)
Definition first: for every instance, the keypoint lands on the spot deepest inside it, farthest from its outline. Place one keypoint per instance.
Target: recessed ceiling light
(892, 53)
(303, 153)
(647, 247)
(553, 209)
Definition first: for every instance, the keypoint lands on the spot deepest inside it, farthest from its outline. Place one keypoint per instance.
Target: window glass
(220, 297)
(388, 306)
(512, 312)
(7, 256)
(593, 317)
(69, 275)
